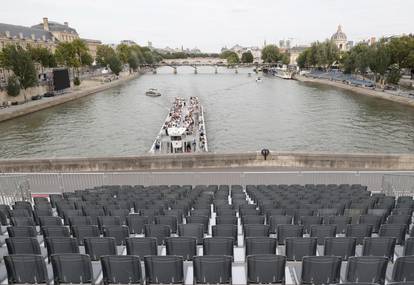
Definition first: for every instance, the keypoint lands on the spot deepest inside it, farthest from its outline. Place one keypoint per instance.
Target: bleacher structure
(210, 234)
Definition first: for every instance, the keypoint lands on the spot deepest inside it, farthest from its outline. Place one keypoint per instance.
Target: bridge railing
(45, 183)
(14, 188)
(398, 184)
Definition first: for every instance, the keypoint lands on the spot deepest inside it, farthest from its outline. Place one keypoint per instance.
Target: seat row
(295, 248)
(214, 269)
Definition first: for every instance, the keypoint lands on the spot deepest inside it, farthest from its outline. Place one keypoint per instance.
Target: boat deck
(183, 130)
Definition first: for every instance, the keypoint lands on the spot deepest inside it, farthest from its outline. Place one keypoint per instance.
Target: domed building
(340, 39)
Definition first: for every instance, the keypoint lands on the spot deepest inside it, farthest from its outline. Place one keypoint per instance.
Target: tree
(271, 54)
(233, 59)
(133, 61)
(103, 53)
(42, 56)
(148, 57)
(123, 52)
(73, 55)
(247, 57)
(225, 54)
(18, 60)
(380, 60)
(13, 86)
(285, 58)
(115, 64)
(394, 74)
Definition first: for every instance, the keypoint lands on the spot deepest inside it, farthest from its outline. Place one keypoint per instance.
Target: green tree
(13, 86)
(148, 57)
(402, 51)
(380, 60)
(271, 54)
(115, 64)
(233, 59)
(285, 58)
(394, 74)
(103, 53)
(133, 62)
(42, 56)
(225, 54)
(247, 57)
(74, 55)
(123, 52)
(18, 60)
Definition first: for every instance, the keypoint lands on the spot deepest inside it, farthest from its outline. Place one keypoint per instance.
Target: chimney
(66, 24)
(33, 37)
(44, 38)
(45, 24)
(21, 36)
(8, 34)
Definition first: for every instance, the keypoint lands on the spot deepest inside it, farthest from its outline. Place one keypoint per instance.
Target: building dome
(339, 35)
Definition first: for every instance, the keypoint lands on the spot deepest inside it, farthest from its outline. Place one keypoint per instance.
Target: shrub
(13, 86)
(76, 81)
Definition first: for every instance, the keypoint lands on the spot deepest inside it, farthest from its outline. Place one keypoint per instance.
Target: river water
(241, 115)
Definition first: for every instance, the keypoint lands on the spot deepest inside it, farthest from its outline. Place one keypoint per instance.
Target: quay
(360, 90)
(73, 94)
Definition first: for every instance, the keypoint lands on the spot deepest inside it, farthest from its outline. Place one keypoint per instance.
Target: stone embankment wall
(236, 161)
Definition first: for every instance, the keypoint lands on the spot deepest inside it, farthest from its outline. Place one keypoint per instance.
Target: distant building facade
(340, 40)
(256, 51)
(46, 34)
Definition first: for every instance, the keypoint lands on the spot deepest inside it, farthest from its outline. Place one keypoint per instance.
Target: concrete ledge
(237, 161)
(34, 106)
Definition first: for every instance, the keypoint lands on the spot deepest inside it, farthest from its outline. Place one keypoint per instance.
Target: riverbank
(360, 90)
(211, 161)
(87, 87)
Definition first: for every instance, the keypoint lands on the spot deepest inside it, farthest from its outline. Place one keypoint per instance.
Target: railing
(62, 182)
(14, 188)
(398, 184)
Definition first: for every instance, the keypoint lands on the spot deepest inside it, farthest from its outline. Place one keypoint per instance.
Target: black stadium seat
(73, 268)
(212, 269)
(23, 245)
(141, 246)
(265, 268)
(99, 246)
(366, 269)
(321, 270)
(164, 269)
(26, 269)
(121, 269)
(182, 246)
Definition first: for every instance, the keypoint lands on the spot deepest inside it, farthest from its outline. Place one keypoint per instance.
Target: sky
(213, 24)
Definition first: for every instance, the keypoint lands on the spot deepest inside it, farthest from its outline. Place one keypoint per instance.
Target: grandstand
(210, 234)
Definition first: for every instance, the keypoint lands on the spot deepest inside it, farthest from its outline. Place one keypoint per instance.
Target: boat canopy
(174, 131)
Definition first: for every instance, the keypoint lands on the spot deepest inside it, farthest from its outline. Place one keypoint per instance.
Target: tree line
(385, 60)
(269, 54)
(22, 62)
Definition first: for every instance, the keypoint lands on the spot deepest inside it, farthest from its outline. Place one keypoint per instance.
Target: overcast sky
(212, 24)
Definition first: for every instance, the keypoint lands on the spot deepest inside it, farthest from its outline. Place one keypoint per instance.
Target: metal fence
(377, 181)
(14, 188)
(398, 184)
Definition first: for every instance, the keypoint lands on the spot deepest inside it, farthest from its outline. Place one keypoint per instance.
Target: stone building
(47, 34)
(340, 39)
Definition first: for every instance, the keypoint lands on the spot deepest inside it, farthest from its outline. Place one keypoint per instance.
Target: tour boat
(184, 129)
(152, 92)
(282, 72)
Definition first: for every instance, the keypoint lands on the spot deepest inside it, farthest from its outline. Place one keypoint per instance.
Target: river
(241, 115)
